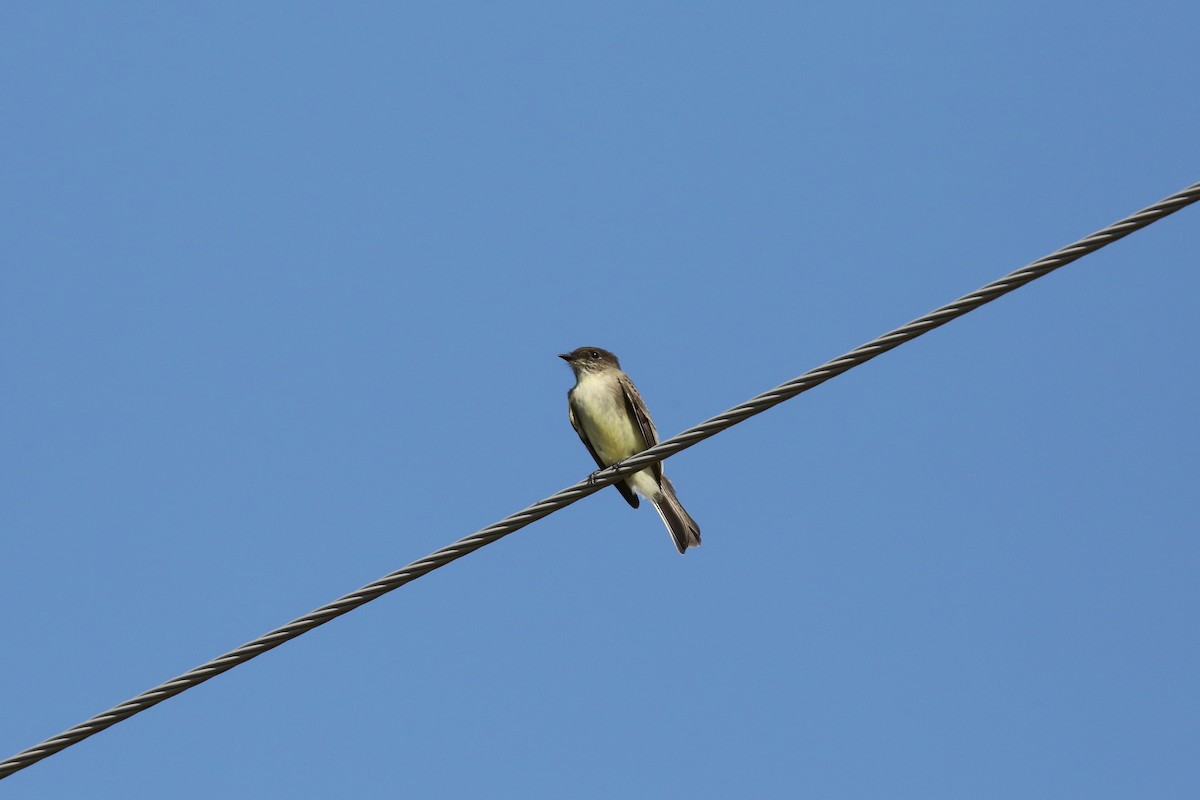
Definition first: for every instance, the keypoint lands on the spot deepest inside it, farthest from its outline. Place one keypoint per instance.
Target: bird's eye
(593, 354)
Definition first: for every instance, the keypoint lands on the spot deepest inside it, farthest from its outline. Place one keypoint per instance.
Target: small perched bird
(610, 417)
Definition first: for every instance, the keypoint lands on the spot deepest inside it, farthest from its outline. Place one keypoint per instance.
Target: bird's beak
(565, 356)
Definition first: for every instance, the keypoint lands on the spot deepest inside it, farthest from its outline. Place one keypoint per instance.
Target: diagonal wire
(602, 478)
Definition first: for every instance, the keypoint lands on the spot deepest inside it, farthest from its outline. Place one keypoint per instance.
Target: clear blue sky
(282, 291)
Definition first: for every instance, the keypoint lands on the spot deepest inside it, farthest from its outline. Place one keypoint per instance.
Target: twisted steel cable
(602, 478)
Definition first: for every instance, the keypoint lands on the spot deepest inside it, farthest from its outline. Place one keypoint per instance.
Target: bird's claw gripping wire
(591, 479)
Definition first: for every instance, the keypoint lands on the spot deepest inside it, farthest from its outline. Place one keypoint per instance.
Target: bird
(608, 413)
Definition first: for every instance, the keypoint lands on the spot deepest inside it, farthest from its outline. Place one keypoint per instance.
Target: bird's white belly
(612, 431)
(606, 420)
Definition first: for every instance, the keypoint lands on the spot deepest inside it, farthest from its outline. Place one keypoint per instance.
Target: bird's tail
(679, 522)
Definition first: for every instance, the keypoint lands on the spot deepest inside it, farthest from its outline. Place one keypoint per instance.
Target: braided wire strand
(602, 478)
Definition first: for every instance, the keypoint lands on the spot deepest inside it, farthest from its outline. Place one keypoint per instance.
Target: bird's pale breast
(600, 408)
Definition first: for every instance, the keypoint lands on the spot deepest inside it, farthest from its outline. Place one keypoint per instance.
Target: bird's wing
(637, 408)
